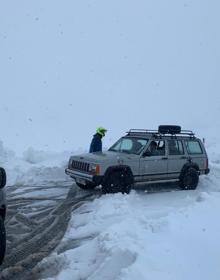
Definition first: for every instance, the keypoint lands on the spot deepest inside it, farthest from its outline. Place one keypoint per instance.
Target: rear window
(193, 147)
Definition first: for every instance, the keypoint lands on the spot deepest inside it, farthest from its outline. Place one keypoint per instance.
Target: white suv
(143, 156)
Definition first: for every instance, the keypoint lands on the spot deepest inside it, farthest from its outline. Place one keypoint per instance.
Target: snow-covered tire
(116, 182)
(87, 186)
(2, 240)
(189, 179)
(2, 177)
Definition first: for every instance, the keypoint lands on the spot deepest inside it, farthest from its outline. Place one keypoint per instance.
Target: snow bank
(5, 154)
(161, 236)
(34, 167)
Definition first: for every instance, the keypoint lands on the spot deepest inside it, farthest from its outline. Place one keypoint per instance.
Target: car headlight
(94, 169)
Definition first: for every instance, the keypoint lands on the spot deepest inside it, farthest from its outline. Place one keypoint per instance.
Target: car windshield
(129, 145)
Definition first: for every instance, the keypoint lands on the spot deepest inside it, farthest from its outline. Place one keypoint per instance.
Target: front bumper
(77, 175)
(207, 171)
(204, 171)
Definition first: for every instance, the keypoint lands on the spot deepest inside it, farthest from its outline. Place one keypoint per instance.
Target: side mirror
(147, 154)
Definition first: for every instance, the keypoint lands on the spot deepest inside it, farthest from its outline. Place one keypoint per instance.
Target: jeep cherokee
(143, 156)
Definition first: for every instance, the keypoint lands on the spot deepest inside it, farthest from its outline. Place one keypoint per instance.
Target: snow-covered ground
(150, 235)
(171, 235)
(161, 235)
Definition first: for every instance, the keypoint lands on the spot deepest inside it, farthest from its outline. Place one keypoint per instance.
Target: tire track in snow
(34, 230)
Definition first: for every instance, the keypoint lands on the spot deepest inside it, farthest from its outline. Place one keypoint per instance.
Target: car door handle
(183, 157)
(164, 158)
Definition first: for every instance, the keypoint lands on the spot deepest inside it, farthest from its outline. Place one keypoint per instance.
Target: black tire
(2, 240)
(2, 177)
(87, 186)
(117, 181)
(189, 179)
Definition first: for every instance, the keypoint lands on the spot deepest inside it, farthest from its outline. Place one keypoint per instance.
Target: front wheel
(190, 179)
(117, 181)
(2, 240)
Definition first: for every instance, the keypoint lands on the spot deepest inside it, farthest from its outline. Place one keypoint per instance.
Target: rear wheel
(189, 179)
(117, 181)
(2, 240)
(87, 186)
(2, 177)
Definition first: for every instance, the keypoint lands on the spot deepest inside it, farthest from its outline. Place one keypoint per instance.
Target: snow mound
(5, 154)
(141, 236)
(34, 167)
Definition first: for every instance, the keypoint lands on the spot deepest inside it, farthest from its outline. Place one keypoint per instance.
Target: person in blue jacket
(96, 144)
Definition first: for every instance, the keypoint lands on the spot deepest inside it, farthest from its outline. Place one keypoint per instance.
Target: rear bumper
(84, 176)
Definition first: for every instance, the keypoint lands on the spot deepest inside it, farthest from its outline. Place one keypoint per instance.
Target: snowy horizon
(67, 70)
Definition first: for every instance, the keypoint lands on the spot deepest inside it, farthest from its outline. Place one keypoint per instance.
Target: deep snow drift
(161, 236)
(34, 167)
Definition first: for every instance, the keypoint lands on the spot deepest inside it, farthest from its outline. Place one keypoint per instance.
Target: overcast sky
(67, 67)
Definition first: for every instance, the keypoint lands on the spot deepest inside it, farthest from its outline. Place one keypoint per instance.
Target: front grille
(79, 165)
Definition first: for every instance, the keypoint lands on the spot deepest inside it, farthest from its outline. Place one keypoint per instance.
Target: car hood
(102, 156)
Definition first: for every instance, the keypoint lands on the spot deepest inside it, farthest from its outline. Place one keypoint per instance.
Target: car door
(177, 157)
(153, 165)
(126, 157)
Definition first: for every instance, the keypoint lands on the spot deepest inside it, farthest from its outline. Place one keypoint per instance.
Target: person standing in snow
(96, 144)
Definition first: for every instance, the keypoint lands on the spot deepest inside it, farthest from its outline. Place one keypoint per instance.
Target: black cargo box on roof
(169, 129)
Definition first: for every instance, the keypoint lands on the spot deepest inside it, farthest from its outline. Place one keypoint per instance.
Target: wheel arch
(124, 168)
(186, 167)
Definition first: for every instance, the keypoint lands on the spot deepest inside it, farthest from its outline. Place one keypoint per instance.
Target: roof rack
(187, 132)
(157, 133)
(148, 131)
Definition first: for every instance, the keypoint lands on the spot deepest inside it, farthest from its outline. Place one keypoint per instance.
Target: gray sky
(67, 67)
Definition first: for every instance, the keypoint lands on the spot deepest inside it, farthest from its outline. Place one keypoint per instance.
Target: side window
(193, 147)
(138, 146)
(175, 147)
(157, 148)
